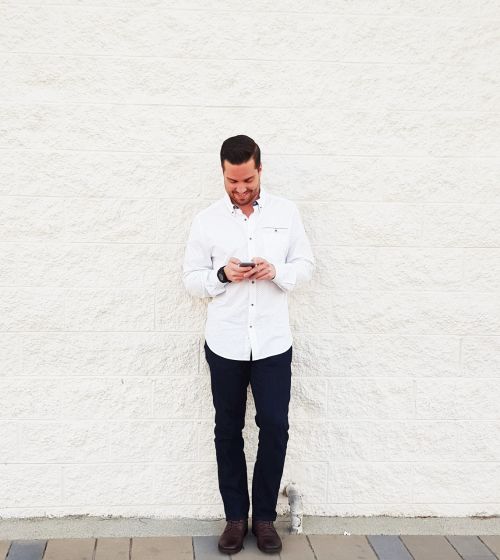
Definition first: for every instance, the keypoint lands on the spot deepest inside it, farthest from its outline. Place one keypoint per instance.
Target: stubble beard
(244, 201)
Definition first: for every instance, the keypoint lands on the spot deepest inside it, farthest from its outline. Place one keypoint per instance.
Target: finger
(255, 270)
(263, 274)
(252, 272)
(243, 270)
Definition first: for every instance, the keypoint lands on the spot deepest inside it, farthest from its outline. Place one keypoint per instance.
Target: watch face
(220, 274)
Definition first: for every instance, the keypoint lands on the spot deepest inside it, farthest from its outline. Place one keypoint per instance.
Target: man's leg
(270, 379)
(229, 380)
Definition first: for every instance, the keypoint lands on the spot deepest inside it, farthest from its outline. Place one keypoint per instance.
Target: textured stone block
(115, 398)
(117, 483)
(166, 548)
(458, 399)
(374, 483)
(110, 309)
(371, 398)
(429, 547)
(70, 549)
(341, 547)
(172, 440)
(471, 547)
(30, 484)
(27, 549)
(10, 354)
(32, 219)
(186, 483)
(31, 309)
(451, 482)
(389, 547)
(108, 548)
(63, 442)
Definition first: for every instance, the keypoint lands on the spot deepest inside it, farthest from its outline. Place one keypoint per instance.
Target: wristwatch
(221, 275)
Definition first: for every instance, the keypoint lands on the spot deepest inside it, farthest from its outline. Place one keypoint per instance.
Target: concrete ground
(323, 538)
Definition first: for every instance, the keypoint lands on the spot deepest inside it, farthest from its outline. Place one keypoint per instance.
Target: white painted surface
(380, 119)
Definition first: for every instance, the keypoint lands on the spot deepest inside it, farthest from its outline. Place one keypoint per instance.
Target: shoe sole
(232, 550)
(266, 550)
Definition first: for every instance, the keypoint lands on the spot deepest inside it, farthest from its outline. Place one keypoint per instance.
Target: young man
(247, 334)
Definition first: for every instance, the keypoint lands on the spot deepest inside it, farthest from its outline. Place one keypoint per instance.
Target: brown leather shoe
(268, 539)
(231, 540)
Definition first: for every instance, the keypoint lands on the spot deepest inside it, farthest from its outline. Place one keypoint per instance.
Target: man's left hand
(263, 270)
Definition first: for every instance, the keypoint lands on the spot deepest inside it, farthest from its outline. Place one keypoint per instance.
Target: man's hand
(234, 272)
(263, 270)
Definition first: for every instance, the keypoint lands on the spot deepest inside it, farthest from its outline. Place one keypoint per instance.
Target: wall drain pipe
(296, 510)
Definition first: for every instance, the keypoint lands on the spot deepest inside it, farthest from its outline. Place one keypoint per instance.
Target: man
(247, 334)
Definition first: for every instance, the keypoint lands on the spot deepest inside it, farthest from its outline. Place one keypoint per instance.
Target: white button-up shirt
(250, 316)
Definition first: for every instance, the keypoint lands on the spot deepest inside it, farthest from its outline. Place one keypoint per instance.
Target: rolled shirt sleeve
(198, 275)
(300, 263)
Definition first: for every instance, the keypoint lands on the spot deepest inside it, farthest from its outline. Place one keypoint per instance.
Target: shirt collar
(260, 202)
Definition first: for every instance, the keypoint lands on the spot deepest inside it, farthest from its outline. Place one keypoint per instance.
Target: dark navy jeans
(270, 380)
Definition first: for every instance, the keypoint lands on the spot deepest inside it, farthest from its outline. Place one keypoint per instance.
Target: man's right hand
(235, 272)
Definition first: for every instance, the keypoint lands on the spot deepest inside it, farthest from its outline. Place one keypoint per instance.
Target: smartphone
(252, 264)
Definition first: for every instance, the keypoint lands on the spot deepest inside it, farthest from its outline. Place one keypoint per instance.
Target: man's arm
(199, 277)
(300, 261)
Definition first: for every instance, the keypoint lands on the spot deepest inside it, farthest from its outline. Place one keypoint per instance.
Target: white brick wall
(381, 119)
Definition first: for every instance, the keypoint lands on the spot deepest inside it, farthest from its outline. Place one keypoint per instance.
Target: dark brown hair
(239, 149)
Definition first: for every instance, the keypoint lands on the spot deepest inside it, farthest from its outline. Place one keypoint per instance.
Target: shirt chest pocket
(274, 242)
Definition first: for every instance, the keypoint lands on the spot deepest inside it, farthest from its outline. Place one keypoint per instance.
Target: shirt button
(250, 326)
(253, 281)
(251, 304)
(250, 238)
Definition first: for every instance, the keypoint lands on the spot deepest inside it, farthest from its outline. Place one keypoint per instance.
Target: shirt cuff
(276, 278)
(216, 285)
(285, 276)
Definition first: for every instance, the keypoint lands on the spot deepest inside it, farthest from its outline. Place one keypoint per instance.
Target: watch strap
(221, 275)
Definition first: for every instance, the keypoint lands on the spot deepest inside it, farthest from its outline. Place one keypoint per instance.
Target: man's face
(242, 182)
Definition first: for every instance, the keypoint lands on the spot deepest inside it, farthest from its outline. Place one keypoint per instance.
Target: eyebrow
(246, 179)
